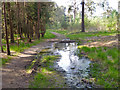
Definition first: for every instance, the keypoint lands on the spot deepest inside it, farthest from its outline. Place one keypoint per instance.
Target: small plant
(5, 60)
(101, 55)
(22, 45)
(104, 69)
(85, 49)
(113, 53)
(47, 77)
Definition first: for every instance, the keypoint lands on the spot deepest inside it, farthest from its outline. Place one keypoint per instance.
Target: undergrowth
(3, 61)
(105, 65)
(25, 44)
(77, 35)
(47, 77)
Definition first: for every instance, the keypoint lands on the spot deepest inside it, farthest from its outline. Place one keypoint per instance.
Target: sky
(112, 3)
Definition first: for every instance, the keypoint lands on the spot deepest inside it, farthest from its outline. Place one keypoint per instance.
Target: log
(69, 41)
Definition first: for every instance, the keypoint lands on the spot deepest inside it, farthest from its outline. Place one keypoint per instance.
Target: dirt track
(14, 74)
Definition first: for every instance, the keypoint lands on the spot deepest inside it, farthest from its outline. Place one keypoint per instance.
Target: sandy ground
(109, 41)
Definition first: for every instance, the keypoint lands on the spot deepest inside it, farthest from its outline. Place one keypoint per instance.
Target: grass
(60, 31)
(105, 66)
(83, 35)
(31, 66)
(76, 35)
(47, 77)
(49, 35)
(3, 61)
(23, 45)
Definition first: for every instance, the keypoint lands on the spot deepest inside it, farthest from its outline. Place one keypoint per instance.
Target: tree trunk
(83, 27)
(1, 37)
(24, 22)
(36, 30)
(7, 41)
(29, 30)
(10, 22)
(74, 10)
(18, 17)
(43, 29)
(17, 3)
(2, 48)
(1, 30)
(38, 33)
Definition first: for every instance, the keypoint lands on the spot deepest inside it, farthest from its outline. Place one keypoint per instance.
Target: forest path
(14, 74)
(101, 41)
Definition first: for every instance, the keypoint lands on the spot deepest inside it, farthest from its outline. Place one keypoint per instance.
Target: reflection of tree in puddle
(75, 68)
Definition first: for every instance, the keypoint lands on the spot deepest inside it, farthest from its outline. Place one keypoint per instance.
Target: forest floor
(108, 41)
(102, 48)
(14, 73)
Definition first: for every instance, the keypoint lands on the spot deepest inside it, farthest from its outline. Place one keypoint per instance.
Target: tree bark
(43, 28)
(1, 29)
(18, 17)
(1, 37)
(29, 31)
(83, 27)
(25, 20)
(28, 28)
(17, 3)
(36, 30)
(10, 23)
(38, 33)
(7, 41)
(74, 10)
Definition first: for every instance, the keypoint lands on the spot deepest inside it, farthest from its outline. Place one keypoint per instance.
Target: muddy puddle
(73, 68)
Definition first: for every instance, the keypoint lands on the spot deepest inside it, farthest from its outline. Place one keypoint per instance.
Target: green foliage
(91, 23)
(93, 49)
(101, 55)
(58, 19)
(77, 35)
(111, 52)
(5, 60)
(64, 25)
(3, 41)
(49, 35)
(47, 78)
(64, 32)
(83, 35)
(74, 25)
(48, 58)
(85, 49)
(45, 14)
(104, 69)
(22, 45)
(32, 64)
(112, 21)
(40, 81)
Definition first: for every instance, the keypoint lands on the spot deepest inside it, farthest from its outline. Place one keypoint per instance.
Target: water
(73, 67)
